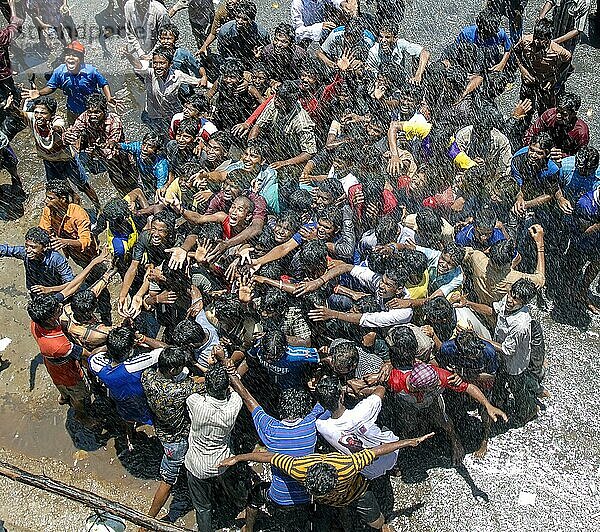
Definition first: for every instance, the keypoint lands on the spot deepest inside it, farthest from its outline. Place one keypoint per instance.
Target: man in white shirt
(143, 18)
(213, 416)
(309, 18)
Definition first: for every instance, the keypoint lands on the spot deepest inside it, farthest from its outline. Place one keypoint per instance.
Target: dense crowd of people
(322, 250)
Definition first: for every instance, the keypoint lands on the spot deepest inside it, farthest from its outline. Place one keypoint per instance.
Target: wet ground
(542, 477)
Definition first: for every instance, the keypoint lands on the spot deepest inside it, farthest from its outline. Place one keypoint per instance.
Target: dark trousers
(524, 388)
(230, 488)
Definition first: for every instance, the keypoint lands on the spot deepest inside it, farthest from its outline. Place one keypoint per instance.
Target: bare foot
(592, 308)
(387, 528)
(544, 394)
(62, 400)
(482, 451)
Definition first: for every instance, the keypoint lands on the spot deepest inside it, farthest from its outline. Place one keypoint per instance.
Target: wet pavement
(545, 476)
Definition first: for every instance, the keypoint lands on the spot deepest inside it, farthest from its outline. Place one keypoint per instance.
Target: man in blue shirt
(295, 435)
(482, 232)
(487, 35)
(579, 174)
(77, 80)
(183, 59)
(45, 270)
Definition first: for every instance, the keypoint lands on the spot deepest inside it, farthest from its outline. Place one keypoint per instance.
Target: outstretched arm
(388, 448)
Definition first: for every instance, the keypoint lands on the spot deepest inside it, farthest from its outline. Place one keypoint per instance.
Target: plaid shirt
(294, 324)
(92, 136)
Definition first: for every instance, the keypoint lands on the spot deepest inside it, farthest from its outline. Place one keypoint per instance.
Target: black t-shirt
(145, 252)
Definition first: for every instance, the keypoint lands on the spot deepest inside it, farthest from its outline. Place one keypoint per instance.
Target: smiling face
(281, 44)
(184, 140)
(214, 151)
(148, 150)
(251, 159)
(160, 65)
(387, 288)
(231, 190)
(166, 38)
(325, 230)
(537, 155)
(33, 250)
(387, 40)
(445, 264)
(73, 61)
(159, 232)
(322, 200)
(282, 231)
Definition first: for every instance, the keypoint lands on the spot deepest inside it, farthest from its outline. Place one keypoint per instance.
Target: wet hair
(328, 392)
(543, 30)
(587, 156)
(274, 300)
(247, 9)
(488, 21)
(285, 29)
(313, 254)
(42, 308)
(332, 187)
(502, 253)
(155, 140)
(321, 478)
(544, 139)
(367, 304)
(169, 28)
(171, 358)
(403, 346)
(301, 201)
(166, 217)
(83, 305)
(455, 252)
(386, 230)
(334, 215)
(188, 333)
(524, 290)
(288, 91)
(429, 225)
(48, 102)
(96, 100)
(39, 236)
(378, 262)
(198, 102)
(344, 357)
(117, 209)
(469, 345)
(313, 67)
(240, 178)
(273, 345)
(397, 275)
(291, 218)
(61, 188)
(211, 231)
(439, 309)
(389, 26)
(216, 381)
(228, 308)
(354, 27)
(232, 67)
(260, 67)
(119, 343)
(223, 138)
(259, 146)
(486, 218)
(188, 126)
(163, 51)
(569, 101)
(414, 262)
(294, 403)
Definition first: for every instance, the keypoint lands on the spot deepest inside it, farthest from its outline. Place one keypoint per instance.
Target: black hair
(524, 290)
(96, 100)
(414, 262)
(163, 51)
(187, 333)
(321, 478)
(587, 156)
(366, 304)
(188, 126)
(285, 29)
(223, 138)
(332, 187)
(544, 139)
(378, 262)
(502, 253)
(211, 231)
(154, 139)
(198, 101)
(42, 308)
(469, 345)
(38, 235)
(386, 230)
(569, 101)
(232, 67)
(313, 67)
(301, 201)
(117, 209)
(247, 9)
(169, 28)
(294, 403)
(346, 152)
(258, 66)
(48, 102)
(228, 308)
(456, 252)
(429, 224)
(61, 188)
(389, 25)
(168, 218)
(291, 218)
(440, 314)
(259, 146)
(403, 346)
(328, 392)
(119, 343)
(344, 357)
(313, 254)
(83, 305)
(543, 30)
(488, 21)
(216, 381)
(397, 275)
(288, 91)
(171, 358)
(273, 345)
(274, 300)
(486, 218)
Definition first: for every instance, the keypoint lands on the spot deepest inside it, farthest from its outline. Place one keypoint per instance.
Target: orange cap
(76, 46)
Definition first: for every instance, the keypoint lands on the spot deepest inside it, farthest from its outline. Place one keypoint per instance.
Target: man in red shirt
(421, 389)
(561, 123)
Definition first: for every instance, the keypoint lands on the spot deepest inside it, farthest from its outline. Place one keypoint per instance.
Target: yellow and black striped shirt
(350, 485)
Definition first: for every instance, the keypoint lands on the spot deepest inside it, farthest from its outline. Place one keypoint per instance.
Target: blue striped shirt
(293, 438)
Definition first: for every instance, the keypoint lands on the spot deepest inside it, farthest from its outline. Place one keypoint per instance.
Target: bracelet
(321, 279)
(280, 284)
(540, 250)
